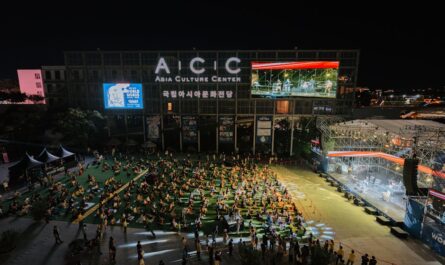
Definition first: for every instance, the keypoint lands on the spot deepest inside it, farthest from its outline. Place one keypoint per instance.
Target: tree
(303, 136)
(81, 127)
(35, 98)
(16, 97)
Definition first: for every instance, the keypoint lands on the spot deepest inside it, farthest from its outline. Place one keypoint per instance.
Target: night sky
(401, 47)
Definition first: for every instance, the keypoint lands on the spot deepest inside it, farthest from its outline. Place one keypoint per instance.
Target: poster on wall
(153, 124)
(264, 129)
(226, 129)
(189, 129)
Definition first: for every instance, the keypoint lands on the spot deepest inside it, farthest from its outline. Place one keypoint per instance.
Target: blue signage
(123, 96)
(434, 236)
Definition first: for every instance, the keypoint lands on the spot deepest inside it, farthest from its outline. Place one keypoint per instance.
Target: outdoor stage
(376, 190)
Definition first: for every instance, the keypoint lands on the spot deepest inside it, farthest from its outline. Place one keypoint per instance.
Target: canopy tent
(19, 170)
(68, 158)
(46, 157)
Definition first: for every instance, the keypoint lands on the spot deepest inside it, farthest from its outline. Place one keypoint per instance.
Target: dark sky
(401, 47)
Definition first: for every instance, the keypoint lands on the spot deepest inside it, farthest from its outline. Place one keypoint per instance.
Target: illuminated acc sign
(162, 65)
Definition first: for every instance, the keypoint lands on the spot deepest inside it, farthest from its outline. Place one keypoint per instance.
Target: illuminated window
(169, 106)
(283, 106)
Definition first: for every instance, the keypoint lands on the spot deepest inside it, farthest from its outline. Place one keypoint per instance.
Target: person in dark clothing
(57, 235)
(230, 246)
(139, 246)
(263, 250)
(365, 259)
(372, 261)
(112, 249)
(210, 255)
(84, 232)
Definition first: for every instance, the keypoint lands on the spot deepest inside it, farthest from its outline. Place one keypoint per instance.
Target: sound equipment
(410, 176)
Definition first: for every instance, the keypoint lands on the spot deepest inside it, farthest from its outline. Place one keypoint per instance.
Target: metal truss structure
(400, 138)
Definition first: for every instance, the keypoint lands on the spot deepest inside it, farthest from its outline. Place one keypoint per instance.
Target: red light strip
(295, 65)
(437, 194)
(388, 157)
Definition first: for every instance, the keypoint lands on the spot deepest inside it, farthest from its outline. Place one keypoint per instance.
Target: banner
(414, 217)
(189, 129)
(434, 236)
(264, 129)
(226, 129)
(153, 125)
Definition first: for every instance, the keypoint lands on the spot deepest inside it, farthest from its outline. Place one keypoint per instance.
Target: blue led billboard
(123, 96)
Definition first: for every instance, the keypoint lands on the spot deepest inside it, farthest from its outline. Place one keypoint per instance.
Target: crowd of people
(218, 195)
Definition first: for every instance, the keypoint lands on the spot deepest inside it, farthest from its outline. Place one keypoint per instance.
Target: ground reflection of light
(160, 233)
(326, 237)
(328, 233)
(318, 225)
(154, 253)
(144, 242)
(192, 235)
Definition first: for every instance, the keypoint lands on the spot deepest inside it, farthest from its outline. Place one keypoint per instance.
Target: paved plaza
(329, 212)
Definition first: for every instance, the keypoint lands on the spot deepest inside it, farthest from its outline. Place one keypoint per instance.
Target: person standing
(198, 248)
(184, 246)
(140, 254)
(84, 232)
(125, 225)
(218, 258)
(351, 258)
(372, 261)
(263, 250)
(365, 259)
(340, 254)
(57, 235)
(112, 249)
(230, 246)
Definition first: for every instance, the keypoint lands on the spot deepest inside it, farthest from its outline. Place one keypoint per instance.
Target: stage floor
(394, 207)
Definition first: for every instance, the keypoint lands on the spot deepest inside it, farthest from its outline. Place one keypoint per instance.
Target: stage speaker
(410, 175)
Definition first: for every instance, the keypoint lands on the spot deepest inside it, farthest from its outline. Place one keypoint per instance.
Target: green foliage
(39, 209)
(302, 139)
(81, 127)
(35, 98)
(8, 241)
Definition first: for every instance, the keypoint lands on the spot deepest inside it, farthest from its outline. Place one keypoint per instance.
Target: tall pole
(292, 137)
(162, 132)
(254, 133)
(235, 127)
(199, 140)
(273, 135)
(144, 129)
(180, 134)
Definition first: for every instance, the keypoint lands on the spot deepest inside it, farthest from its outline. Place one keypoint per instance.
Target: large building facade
(197, 100)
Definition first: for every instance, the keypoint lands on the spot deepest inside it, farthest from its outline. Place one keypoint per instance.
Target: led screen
(123, 96)
(294, 79)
